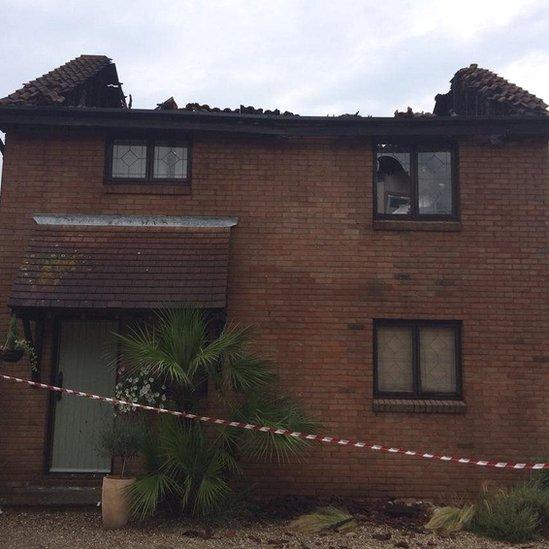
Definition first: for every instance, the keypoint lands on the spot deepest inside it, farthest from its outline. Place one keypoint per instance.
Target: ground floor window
(417, 359)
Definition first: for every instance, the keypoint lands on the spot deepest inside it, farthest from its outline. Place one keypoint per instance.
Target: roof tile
(474, 89)
(123, 267)
(54, 86)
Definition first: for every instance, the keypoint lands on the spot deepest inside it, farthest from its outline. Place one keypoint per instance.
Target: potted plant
(12, 351)
(121, 440)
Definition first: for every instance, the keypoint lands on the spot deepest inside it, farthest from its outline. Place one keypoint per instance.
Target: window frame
(149, 178)
(416, 325)
(413, 149)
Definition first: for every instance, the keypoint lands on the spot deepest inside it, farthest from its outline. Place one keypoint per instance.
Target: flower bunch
(141, 388)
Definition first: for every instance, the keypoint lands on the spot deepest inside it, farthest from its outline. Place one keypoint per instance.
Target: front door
(87, 362)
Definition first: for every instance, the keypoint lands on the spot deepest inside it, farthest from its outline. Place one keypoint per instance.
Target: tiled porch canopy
(124, 262)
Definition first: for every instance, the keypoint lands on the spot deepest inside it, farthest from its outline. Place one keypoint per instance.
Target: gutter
(269, 125)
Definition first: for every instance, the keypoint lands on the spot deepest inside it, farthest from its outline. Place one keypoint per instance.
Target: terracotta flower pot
(114, 501)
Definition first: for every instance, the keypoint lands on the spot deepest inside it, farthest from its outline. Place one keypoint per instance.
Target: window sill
(144, 188)
(409, 225)
(419, 406)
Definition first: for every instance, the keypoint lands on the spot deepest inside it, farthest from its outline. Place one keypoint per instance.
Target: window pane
(438, 358)
(435, 183)
(170, 162)
(394, 359)
(394, 185)
(129, 159)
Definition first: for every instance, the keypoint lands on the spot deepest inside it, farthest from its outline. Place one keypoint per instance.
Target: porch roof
(124, 262)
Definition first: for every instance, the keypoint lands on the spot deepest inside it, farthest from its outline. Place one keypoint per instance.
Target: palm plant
(186, 469)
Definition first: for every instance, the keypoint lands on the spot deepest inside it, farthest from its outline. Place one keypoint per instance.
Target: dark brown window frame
(415, 325)
(149, 178)
(413, 149)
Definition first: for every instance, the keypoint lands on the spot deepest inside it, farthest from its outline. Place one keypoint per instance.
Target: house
(394, 269)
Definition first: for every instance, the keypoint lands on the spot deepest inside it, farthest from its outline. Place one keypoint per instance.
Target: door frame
(52, 400)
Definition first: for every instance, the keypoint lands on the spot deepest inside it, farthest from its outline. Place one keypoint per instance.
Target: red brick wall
(310, 272)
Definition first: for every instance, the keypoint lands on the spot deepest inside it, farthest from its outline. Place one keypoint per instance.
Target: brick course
(310, 271)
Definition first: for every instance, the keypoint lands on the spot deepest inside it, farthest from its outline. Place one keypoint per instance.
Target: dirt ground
(33, 529)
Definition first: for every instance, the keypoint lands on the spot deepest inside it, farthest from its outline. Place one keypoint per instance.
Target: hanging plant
(14, 348)
(11, 351)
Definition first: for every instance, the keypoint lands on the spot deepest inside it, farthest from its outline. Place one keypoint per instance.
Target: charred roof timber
(480, 92)
(87, 81)
(85, 92)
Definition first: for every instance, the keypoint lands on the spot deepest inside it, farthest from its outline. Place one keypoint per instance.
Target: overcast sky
(310, 57)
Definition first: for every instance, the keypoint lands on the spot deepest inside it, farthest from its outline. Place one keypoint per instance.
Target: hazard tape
(285, 432)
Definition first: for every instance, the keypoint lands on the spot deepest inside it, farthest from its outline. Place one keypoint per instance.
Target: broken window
(414, 182)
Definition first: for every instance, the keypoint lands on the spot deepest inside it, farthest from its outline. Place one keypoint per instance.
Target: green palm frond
(183, 333)
(144, 350)
(183, 446)
(247, 373)
(148, 491)
(229, 345)
(212, 491)
(278, 412)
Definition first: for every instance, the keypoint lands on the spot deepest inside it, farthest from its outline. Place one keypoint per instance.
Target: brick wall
(309, 270)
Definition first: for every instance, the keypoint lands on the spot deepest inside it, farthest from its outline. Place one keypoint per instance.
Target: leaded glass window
(153, 161)
(418, 359)
(394, 359)
(170, 161)
(414, 182)
(129, 159)
(438, 357)
(434, 179)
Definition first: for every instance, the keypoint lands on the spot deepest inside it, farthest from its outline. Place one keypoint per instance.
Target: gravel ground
(82, 529)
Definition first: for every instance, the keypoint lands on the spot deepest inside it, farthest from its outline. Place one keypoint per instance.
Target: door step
(52, 496)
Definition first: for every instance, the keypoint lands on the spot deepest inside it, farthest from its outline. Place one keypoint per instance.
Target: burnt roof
(479, 102)
(87, 80)
(475, 91)
(171, 105)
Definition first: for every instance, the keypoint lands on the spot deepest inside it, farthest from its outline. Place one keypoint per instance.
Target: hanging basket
(11, 355)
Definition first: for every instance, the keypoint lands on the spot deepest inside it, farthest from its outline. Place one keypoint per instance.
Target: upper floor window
(417, 359)
(151, 161)
(415, 182)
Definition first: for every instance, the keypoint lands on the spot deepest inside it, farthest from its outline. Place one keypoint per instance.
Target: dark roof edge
(298, 126)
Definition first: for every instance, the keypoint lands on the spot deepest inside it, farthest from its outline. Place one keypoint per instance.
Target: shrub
(123, 439)
(514, 514)
(186, 470)
(506, 516)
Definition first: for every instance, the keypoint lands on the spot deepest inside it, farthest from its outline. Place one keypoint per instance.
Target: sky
(314, 57)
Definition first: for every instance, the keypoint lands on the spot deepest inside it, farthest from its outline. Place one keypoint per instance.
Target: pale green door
(87, 357)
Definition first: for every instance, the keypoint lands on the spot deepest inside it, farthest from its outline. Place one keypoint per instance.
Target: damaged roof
(171, 105)
(88, 80)
(475, 91)
(85, 92)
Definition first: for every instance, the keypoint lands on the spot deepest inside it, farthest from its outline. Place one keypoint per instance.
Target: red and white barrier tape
(285, 432)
